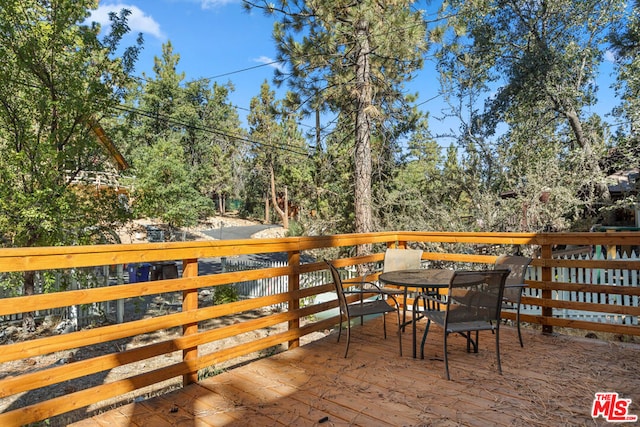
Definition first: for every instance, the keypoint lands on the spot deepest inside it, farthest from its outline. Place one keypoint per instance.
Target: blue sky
(217, 39)
(213, 38)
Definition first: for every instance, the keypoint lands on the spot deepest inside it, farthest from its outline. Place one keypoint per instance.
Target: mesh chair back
(401, 259)
(518, 266)
(337, 282)
(475, 297)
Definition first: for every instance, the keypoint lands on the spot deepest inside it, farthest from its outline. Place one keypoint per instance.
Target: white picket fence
(590, 276)
(274, 285)
(74, 316)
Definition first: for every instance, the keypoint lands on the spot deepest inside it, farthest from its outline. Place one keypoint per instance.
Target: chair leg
(384, 324)
(404, 310)
(346, 351)
(446, 359)
(417, 314)
(471, 342)
(413, 330)
(399, 332)
(424, 338)
(518, 325)
(498, 350)
(340, 328)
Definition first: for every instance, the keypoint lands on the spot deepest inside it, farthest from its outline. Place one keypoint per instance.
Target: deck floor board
(551, 381)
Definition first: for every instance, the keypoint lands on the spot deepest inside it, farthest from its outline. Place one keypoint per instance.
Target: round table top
(430, 277)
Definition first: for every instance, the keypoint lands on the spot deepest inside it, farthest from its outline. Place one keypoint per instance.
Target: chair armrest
(375, 289)
(386, 291)
(368, 273)
(426, 297)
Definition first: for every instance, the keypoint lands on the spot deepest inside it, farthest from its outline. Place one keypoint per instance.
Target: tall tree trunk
(28, 321)
(318, 161)
(283, 213)
(267, 210)
(601, 188)
(362, 159)
(221, 203)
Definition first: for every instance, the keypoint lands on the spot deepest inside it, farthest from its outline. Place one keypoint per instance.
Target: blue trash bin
(142, 275)
(133, 273)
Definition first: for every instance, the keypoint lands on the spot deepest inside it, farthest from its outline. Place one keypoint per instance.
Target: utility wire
(211, 130)
(386, 32)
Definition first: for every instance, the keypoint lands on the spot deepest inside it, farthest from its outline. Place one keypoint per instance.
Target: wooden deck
(551, 381)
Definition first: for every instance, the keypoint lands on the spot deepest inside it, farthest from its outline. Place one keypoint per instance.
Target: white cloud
(138, 21)
(210, 4)
(609, 56)
(271, 62)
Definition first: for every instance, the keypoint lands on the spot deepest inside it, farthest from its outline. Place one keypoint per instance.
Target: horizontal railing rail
(28, 397)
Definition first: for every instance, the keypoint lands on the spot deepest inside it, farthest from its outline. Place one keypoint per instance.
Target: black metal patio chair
(372, 302)
(472, 304)
(514, 285)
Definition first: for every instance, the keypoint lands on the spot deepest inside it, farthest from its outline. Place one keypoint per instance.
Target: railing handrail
(36, 258)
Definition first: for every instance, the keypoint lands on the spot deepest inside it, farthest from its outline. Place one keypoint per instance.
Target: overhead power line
(210, 130)
(267, 64)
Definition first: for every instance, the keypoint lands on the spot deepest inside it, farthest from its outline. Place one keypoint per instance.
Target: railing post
(547, 312)
(190, 302)
(293, 260)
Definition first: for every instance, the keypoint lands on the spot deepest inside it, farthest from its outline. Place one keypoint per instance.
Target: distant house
(624, 184)
(109, 175)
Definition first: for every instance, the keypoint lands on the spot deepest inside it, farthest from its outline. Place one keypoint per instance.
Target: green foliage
(184, 142)
(278, 149)
(336, 202)
(164, 188)
(225, 294)
(352, 59)
(521, 79)
(209, 371)
(295, 229)
(625, 41)
(50, 281)
(11, 284)
(55, 76)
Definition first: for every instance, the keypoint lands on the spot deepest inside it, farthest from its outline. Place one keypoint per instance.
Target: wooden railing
(98, 179)
(454, 250)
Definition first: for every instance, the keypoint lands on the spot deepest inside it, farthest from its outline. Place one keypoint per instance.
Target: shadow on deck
(551, 381)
